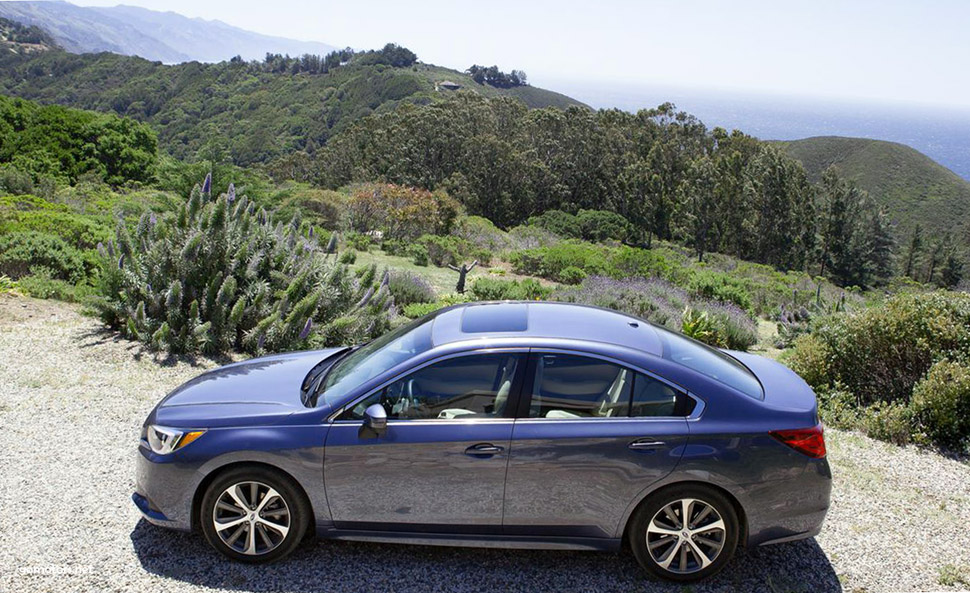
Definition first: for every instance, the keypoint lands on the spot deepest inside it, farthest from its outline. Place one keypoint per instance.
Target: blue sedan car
(529, 425)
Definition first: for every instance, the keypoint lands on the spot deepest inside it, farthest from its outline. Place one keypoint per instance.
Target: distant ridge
(912, 187)
(159, 36)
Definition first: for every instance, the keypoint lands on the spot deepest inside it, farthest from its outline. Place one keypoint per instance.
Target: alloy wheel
(251, 518)
(685, 536)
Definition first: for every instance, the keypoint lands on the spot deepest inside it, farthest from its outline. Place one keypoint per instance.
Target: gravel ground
(73, 399)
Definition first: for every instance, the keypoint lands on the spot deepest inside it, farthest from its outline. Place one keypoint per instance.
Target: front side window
(466, 387)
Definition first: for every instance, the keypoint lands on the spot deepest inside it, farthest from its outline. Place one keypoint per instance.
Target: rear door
(591, 435)
(440, 466)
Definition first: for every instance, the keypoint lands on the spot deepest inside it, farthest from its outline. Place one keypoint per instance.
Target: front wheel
(254, 515)
(685, 533)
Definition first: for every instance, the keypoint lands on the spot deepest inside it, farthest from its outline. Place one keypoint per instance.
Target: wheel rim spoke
(701, 556)
(228, 524)
(280, 529)
(665, 562)
(235, 536)
(269, 496)
(265, 537)
(719, 524)
(700, 516)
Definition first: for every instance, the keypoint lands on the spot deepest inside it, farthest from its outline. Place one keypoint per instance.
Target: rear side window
(708, 361)
(567, 386)
(654, 398)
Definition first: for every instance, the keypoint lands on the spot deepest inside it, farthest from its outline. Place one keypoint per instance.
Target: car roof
(540, 319)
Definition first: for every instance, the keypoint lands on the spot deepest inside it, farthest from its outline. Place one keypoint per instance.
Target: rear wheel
(254, 515)
(685, 533)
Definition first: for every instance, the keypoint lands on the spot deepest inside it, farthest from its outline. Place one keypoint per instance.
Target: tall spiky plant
(220, 274)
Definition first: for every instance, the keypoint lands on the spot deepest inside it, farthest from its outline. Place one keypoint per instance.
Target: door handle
(483, 450)
(646, 444)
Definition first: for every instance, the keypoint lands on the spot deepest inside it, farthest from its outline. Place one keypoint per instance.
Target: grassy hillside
(912, 187)
(247, 111)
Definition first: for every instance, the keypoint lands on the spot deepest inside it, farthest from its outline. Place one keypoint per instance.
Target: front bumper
(164, 490)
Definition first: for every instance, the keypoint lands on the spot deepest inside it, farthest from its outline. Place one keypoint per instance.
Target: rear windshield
(709, 361)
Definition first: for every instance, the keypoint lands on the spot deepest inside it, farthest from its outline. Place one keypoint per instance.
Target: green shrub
(880, 353)
(699, 325)
(220, 275)
(590, 225)
(720, 287)
(418, 254)
(394, 246)
(42, 284)
(408, 288)
(75, 229)
(7, 284)
(348, 257)
(550, 261)
(415, 310)
(494, 289)
(443, 250)
(358, 241)
(21, 251)
(571, 275)
(601, 225)
(887, 422)
(941, 405)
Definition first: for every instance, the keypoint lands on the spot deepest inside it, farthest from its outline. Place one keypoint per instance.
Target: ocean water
(943, 134)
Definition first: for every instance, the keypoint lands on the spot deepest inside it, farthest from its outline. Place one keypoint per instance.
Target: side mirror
(375, 420)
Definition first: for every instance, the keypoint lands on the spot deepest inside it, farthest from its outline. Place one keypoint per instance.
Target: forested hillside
(913, 188)
(247, 112)
(660, 169)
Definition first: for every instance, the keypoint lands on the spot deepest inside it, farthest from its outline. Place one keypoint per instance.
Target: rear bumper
(791, 509)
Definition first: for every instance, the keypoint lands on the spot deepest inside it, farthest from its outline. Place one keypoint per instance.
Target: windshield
(708, 361)
(377, 356)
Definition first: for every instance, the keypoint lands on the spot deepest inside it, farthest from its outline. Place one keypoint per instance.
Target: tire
(675, 554)
(254, 532)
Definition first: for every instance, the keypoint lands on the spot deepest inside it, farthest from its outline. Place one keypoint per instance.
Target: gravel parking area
(72, 399)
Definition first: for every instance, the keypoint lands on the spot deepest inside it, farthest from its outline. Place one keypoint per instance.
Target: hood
(264, 390)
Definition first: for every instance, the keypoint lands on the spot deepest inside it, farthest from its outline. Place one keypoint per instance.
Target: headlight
(163, 439)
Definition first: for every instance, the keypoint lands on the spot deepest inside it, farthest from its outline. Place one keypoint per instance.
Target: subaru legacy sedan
(520, 425)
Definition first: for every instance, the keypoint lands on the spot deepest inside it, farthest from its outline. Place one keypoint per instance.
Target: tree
(913, 251)
(700, 208)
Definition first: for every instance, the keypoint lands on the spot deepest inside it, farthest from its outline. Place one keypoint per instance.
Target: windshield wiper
(313, 391)
(319, 369)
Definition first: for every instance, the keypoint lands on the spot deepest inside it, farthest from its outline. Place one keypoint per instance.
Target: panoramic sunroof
(495, 318)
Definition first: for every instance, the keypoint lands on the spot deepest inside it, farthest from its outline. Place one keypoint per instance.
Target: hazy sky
(887, 50)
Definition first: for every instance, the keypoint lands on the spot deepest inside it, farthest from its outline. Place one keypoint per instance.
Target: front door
(592, 436)
(440, 466)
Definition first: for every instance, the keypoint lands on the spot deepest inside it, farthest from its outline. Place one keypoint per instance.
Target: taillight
(804, 440)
